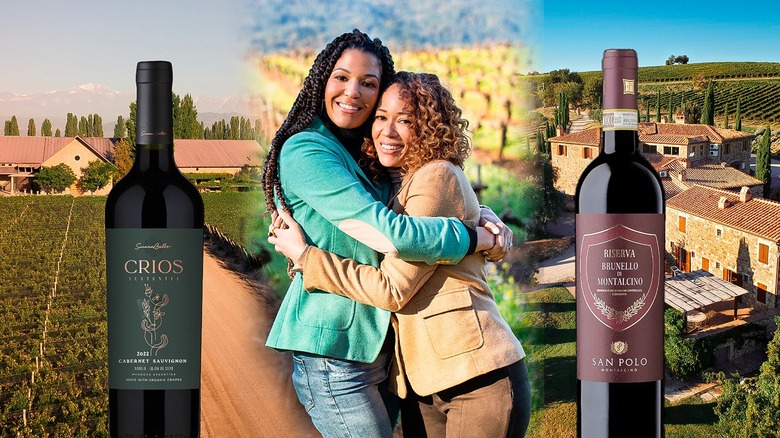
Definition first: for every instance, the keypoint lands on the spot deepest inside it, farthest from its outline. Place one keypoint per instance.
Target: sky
(54, 45)
(50, 45)
(574, 34)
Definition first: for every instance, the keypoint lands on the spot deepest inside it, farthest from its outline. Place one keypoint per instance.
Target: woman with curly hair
(340, 348)
(457, 366)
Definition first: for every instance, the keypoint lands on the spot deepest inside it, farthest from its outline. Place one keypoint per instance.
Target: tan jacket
(448, 328)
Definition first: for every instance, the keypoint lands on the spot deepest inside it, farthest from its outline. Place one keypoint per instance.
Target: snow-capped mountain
(99, 99)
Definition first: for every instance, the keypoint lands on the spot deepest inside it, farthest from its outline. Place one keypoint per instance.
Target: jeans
(346, 398)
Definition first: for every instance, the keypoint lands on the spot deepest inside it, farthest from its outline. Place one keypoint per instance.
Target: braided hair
(310, 99)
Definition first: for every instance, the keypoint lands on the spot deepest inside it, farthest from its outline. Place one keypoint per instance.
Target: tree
(671, 107)
(71, 125)
(764, 160)
(592, 91)
(55, 178)
(708, 111)
(12, 126)
(681, 356)
(46, 128)
(692, 113)
(562, 113)
(83, 127)
(185, 119)
(726, 115)
(57, 133)
(738, 115)
(131, 122)
(97, 175)
(748, 406)
(31, 128)
(123, 157)
(96, 126)
(120, 130)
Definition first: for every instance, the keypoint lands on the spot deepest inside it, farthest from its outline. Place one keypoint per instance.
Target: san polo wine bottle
(154, 269)
(619, 204)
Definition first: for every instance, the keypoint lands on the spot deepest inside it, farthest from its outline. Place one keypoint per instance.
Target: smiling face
(392, 126)
(352, 88)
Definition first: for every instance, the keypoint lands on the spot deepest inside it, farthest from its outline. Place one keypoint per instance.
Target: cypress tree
(738, 116)
(708, 112)
(671, 108)
(764, 160)
(726, 115)
(658, 107)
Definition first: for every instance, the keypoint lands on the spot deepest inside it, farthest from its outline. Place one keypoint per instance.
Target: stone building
(731, 235)
(690, 145)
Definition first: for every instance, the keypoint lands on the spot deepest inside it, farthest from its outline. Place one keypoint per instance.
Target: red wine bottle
(154, 275)
(619, 206)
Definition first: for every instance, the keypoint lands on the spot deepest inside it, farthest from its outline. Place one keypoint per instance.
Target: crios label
(620, 297)
(154, 294)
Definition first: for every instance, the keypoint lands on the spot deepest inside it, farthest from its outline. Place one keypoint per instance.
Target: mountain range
(99, 99)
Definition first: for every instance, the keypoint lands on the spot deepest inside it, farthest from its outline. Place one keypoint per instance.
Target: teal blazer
(342, 211)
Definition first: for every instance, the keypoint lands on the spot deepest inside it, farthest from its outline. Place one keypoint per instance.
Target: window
(718, 232)
(587, 152)
(717, 265)
(761, 293)
(671, 150)
(650, 149)
(763, 253)
(727, 149)
(77, 158)
(562, 150)
(682, 224)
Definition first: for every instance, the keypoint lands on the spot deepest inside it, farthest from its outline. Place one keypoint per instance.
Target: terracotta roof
(217, 153)
(29, 150)
(662, 162)
(188, 153)
(672, 187)
(586, 137)
(757, 216)
(717, 176)
(677, 139)
(713, 133)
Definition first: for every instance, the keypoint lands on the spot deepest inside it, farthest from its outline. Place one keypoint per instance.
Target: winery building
(734, 236)
(21, 157)
(674, 149)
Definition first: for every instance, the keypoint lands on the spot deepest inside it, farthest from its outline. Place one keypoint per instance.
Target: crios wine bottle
(619, 224)
(154, 271)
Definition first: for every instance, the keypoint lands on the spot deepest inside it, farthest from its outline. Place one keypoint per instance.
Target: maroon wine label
(619, 269)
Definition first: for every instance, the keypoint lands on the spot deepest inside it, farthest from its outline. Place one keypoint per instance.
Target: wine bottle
(619, 205)
(154, 274)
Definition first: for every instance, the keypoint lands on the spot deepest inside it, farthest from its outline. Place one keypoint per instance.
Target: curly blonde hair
(438, 132)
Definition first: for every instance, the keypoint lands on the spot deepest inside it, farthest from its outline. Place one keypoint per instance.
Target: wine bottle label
(620, 297)
(155, 292)
(619, 119)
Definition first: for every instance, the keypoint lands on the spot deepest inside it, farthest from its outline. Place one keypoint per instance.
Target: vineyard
(53, 353)
(483, 81)
(52, 335)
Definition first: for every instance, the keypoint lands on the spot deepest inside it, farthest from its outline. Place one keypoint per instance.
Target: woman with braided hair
(340, 348)
(457, 365)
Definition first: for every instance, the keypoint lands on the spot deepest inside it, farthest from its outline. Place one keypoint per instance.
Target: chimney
(745, 195)
(559, 130)
(682, 175)
(723, 203)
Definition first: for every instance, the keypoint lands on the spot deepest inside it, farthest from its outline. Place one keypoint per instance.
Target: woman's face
(392, 128)
(352, 88)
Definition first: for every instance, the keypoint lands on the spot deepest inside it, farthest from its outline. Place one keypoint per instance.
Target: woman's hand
(495, 240)
(287, 236)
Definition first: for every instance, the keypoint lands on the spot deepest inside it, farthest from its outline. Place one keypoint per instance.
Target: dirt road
(245, 387)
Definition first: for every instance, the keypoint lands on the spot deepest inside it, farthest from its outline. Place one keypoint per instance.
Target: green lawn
(544, 321)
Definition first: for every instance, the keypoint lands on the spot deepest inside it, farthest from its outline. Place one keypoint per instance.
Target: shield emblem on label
(620, 273)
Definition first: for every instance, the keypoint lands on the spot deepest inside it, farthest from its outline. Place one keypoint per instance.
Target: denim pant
(346, 398)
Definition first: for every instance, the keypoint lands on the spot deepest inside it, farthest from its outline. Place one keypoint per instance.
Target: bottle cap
(154, 72)
(620, 80)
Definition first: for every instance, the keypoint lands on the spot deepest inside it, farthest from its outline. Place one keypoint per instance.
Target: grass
(544, 321)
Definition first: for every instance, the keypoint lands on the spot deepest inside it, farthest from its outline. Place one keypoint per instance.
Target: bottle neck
(619, 142)
(154, 157)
